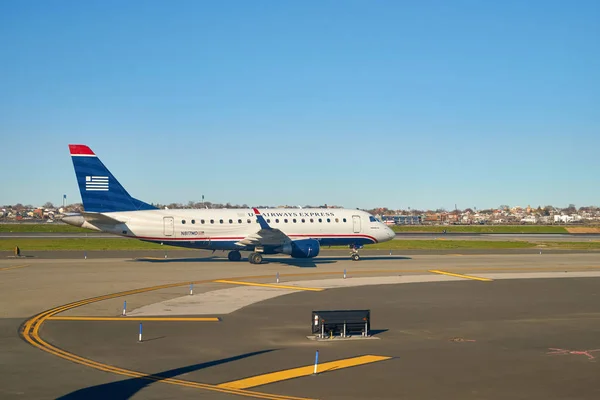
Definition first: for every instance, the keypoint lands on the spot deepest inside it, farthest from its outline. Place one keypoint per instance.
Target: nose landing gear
(354, 252)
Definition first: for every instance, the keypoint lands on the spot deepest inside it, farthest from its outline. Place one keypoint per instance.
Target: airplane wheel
(234, 255)
(355, 257)
(257, 259)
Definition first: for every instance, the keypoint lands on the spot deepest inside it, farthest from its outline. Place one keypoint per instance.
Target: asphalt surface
(455, 339)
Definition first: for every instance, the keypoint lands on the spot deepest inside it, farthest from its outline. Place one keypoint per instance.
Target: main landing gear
(255, 258)
(354, 253)
(234, 255)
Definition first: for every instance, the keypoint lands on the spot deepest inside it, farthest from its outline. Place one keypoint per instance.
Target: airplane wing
(98, 218)
(266, 236)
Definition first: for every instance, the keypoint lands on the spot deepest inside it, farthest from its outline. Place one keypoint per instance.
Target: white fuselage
(221, 229)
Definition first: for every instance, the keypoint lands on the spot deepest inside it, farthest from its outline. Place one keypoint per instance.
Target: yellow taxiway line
(278, 376)
(31, 334)
(269, 285)
(475, 278)
(31, 328)
(177, 319)
(14, 267)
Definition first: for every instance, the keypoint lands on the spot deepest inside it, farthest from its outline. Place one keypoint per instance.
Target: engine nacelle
(304, 248)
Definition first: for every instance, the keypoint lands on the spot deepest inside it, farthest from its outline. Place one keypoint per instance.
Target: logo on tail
(98, 183)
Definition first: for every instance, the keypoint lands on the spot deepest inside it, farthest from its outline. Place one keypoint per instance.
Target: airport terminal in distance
(297, 322)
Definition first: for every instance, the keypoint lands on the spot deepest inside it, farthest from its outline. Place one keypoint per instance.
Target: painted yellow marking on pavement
(475, 278)
(31, 335)
(14, 267)
(179, 319)
(269, 285)
(273, 377)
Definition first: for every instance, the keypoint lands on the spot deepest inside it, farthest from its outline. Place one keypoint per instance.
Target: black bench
(341, 322)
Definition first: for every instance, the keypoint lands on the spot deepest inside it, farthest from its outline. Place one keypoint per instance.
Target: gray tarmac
(458, 338)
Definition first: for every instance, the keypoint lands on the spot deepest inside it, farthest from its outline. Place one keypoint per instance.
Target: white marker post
(191, 289)
(125, 308)
(140, 337)
(278, 277)
(165, 254)
(344, 273)
(85, 255)
(316, 362)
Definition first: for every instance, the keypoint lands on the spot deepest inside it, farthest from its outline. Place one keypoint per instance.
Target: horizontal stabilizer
(97, 218)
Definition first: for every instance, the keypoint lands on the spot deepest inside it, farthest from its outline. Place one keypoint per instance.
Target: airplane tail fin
(100, 191)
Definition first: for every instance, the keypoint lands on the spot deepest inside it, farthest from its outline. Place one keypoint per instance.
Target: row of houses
(515, 215)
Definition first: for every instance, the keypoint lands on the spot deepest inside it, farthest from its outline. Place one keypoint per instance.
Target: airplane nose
(391, 233)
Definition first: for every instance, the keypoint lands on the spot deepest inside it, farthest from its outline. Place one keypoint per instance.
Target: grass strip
(42, 228)
(26, 244)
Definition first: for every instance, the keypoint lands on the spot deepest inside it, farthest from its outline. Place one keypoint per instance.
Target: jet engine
(303, 248)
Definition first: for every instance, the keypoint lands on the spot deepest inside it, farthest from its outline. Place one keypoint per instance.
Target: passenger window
(239, 221)
(231, 221)
(220, 221)
(344, 220)
(183, 221)
(201, 221)
(337, 220)
(294, 220)
(212, 221)
(285, 220)
(320, 219)
(193, 221)
(277, 221)
(268, 221)
(312, 220)
(303, 220)
(328, 220)
(248, 220)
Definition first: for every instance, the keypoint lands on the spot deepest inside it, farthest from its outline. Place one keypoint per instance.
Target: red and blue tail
(100, 191)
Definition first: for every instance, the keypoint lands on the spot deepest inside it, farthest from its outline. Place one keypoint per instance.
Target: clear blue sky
(421, 104)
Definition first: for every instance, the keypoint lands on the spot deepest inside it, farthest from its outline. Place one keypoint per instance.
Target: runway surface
(455, 326)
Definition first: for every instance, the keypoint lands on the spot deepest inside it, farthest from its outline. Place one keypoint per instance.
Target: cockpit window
(373, 219)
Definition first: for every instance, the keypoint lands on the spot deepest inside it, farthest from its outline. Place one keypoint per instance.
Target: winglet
(261, 219)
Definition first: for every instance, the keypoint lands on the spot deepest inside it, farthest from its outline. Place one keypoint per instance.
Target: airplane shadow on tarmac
(292, 262)
(129, 387)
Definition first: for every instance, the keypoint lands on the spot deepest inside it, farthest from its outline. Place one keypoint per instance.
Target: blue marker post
(124, 307)
(278, 277)
(316, 362)
(191, 289)
(140, 338)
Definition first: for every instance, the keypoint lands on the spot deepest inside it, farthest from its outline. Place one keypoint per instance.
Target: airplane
(300, 233)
